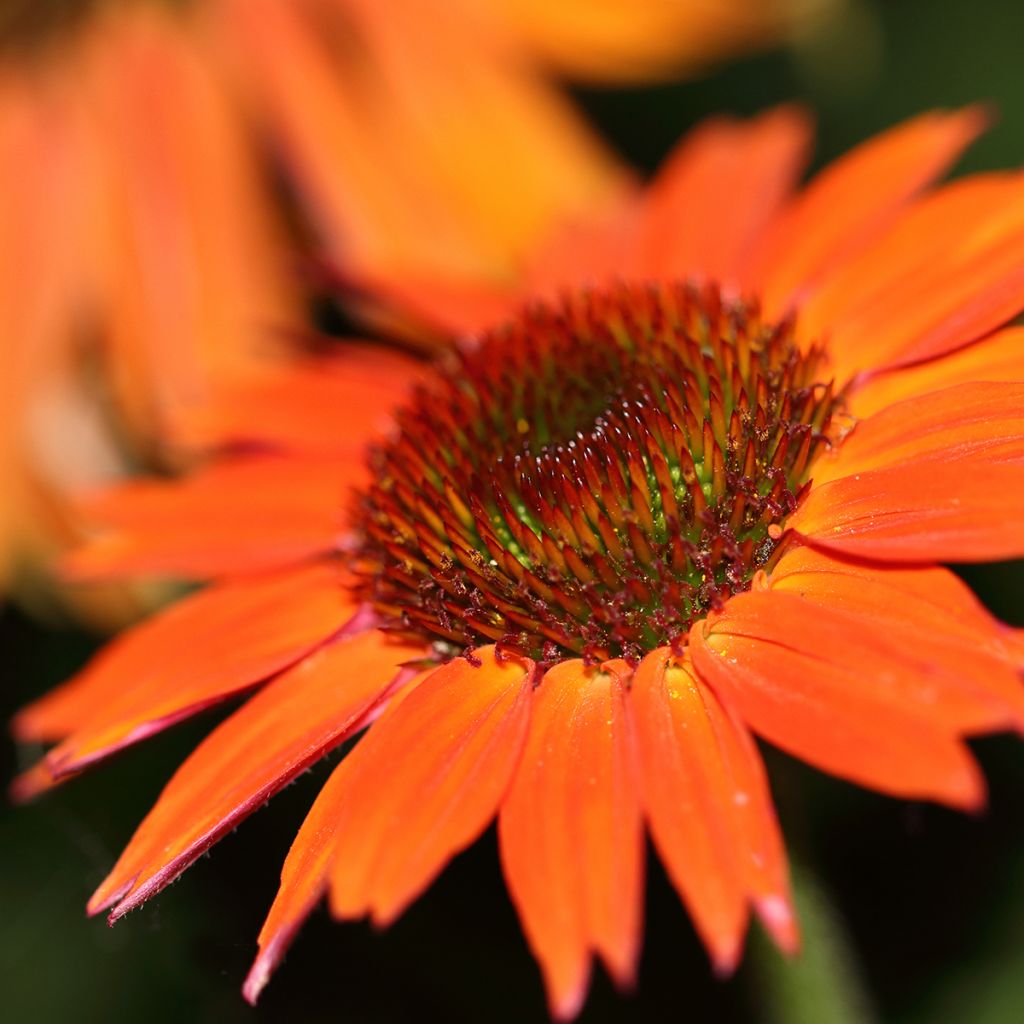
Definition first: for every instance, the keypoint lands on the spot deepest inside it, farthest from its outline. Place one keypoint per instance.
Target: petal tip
(725, 960)
(969, 792)
(262, 967)
(776, 914)
(566, 1006)
(104, 898)
(623, 972)
(22, 728)
(30, 784)
(979, 117)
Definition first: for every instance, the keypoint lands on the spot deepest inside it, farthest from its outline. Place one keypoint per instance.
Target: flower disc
(594, 476)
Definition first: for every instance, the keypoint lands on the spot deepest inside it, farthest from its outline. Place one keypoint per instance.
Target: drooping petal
(813, 682)
(710, 812)
(570, 832)
(200, 650)
(303, 882)
(425, 782)
(426, 779)
(717, 192)
(236, 515)
(279, 733)
(969, 657)
(948, 271)
(932, 478)
(852, 200)
(999, 357)
(304, 875)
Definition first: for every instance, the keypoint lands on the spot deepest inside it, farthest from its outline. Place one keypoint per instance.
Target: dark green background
(932, 902)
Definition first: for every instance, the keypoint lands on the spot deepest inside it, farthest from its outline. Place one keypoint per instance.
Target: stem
(823, 983)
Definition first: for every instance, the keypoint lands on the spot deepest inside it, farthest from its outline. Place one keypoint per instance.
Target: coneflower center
(593, 477)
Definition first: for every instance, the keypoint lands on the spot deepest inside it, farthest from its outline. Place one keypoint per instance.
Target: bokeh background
(927, 906)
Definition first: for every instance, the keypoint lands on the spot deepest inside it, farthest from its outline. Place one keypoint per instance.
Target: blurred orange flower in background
(146, 258)
(697, 487)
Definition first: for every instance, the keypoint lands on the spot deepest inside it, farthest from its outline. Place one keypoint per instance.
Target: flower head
(592, 478)
(561, 577)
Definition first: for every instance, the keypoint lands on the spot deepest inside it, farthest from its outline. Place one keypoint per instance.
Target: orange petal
(323, 406)
(425, 782)
(972, 660)
(500, 155)
(945, 273)
(999, 357)
(718, 190)
(305, 872)
(586, 253)
(40, 300)
(279, 733)
(934, 478)
(234, 515)
(846, 205)
(570, 832)
(824, 688)
(709, 808)
(303, 881)
(201, 650)
(185, 244)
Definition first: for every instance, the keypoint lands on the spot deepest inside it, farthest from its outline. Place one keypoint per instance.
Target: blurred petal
(634, 40)
(499, 155)
(242, 514)
(38, 292)
(853, 199)
(189, 260)
(331, 405)
(717, 191)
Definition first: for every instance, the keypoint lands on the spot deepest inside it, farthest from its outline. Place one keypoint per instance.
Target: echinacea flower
(564, 577)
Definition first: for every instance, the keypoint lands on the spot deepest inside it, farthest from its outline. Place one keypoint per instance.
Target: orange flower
(145, 262)
(596, 549)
